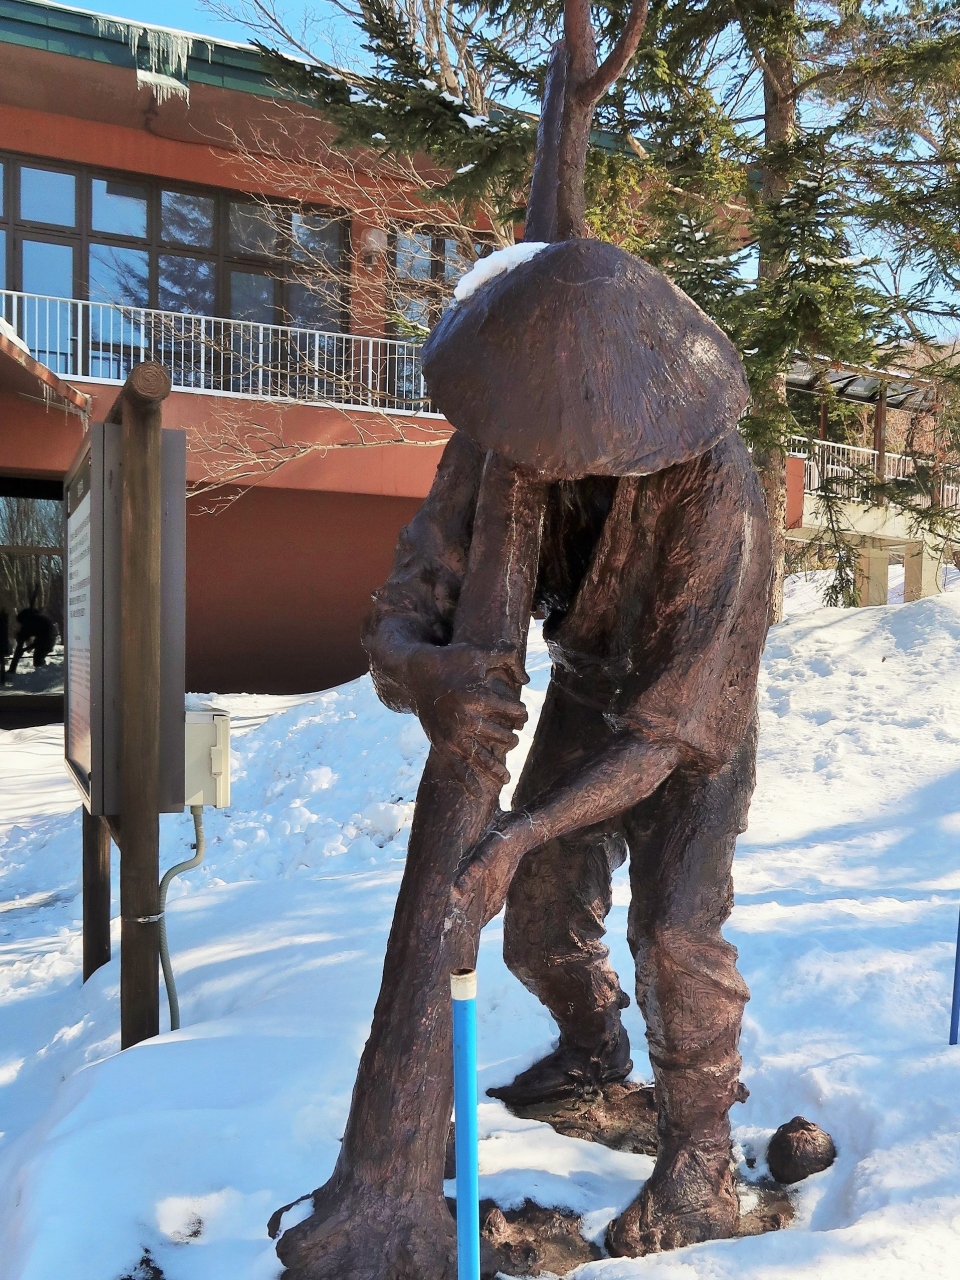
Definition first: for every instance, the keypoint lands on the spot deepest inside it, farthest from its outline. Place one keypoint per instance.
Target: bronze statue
(655, 590)
(35, 632)
(595, 475)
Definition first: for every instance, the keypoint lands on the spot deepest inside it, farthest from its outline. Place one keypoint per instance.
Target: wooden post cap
(148, 383)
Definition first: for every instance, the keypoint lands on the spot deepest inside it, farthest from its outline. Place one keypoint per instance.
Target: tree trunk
(780, 123)
(382, 1215)
(771, 465)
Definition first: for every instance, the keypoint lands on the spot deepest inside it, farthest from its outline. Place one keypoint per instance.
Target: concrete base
(922, 572)
(878, 532)
(873, 562)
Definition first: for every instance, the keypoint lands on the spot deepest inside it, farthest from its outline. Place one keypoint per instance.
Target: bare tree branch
(235, 453)
(619, 57)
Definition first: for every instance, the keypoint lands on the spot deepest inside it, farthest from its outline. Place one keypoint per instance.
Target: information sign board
(92, 572)
(79, 608)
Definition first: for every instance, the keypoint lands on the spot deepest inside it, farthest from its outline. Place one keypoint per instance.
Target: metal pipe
(955, 1009)
(200, 845)
(463, 989)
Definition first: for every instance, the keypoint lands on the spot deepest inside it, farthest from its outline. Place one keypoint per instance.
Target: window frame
(224, 259)
(437, 289)
(47, 167)
(41, 237)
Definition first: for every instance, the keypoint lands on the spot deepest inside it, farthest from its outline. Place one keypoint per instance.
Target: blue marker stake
(463, 989)
(955, 1010)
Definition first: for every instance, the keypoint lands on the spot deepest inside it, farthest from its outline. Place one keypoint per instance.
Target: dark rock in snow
(798, 1149)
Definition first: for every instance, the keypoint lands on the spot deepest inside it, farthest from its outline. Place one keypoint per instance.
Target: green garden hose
(197, 811)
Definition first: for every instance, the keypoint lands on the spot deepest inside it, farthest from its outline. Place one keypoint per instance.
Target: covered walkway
(877, 530)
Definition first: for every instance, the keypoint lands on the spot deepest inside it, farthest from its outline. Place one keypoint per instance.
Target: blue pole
(463, 989)
(955, 1010)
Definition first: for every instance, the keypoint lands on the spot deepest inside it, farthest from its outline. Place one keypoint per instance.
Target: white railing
(101, 342)
(850, 470)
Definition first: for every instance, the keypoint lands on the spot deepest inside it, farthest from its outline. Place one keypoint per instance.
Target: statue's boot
(690, 1197)
(693, 999)
(570, 1070)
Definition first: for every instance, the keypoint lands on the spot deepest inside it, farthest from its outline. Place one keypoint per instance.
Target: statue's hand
(464, 698)
(491, 864)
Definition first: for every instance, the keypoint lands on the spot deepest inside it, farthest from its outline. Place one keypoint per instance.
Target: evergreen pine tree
(794, 167)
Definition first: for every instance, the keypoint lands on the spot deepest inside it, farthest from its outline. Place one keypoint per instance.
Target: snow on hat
(582, 360)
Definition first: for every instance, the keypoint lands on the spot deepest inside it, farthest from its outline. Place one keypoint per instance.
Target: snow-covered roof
(150, 48)
(905, 389)
(105, 20)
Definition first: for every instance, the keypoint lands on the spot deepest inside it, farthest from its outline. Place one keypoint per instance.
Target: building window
(187, 219)
(315, 285)
(252, 231)
(119, 208)
(118, 274)
(48, 196)
(252, 296)
(69, 232)
(47, 268)
(186, 284)
(425, 269)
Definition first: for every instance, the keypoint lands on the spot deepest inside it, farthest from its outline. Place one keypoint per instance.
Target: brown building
(135, 224)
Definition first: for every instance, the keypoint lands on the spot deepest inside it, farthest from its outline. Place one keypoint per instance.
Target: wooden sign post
(96, 893)
(138, 407)
(124, 739)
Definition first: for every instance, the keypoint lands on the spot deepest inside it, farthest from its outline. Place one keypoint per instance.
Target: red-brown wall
(794, 492)
(36, 440)
(278, 582)
(278, 585)
(402, 469)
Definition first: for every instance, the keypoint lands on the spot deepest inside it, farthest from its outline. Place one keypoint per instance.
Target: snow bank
(495, 264)
(31, 679)
(847, 881)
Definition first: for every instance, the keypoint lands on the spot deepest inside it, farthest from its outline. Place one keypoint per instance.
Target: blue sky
(187, 15)
(331, 34)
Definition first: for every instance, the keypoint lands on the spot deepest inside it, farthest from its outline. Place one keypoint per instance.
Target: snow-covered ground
(30, 679)
(848, 883)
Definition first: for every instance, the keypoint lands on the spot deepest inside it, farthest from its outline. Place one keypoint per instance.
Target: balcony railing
(851, 470)
(101, 342)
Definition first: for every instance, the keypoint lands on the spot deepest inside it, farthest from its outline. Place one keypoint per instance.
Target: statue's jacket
(654, 590)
